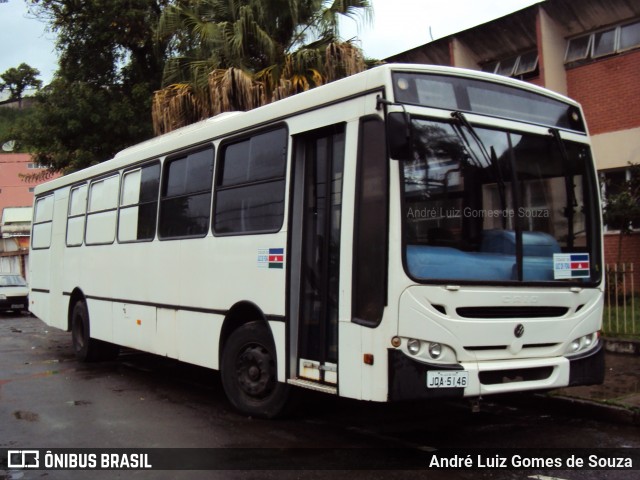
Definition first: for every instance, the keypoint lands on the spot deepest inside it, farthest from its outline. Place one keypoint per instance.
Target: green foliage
(112, 60)
(622, 208)
(75, 125)
(622, 320)
(241, 54)
(18, 79)
(100, 101)
(8, 118)
(105, 41)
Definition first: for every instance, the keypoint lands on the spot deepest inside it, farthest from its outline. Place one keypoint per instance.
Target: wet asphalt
(48, 400)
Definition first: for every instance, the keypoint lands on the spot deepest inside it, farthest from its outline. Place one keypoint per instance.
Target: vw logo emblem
(519, 330)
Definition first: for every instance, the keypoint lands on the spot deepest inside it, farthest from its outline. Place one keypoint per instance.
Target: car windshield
(494, 205)
(12, 281)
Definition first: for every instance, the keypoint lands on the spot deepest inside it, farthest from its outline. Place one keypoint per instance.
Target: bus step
(300, 382)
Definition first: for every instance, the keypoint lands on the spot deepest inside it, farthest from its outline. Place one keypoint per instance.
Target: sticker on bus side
(271, 258)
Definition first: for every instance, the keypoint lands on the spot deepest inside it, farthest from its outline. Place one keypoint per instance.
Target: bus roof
(229, 123)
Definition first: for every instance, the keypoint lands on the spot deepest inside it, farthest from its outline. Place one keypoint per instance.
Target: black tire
(249, 372)
(88, 349)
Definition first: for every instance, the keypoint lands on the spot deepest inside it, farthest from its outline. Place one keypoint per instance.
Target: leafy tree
(75, 125)
(8, 118)
(622, 205)
(105, 41)
(237, 55)
(110, 63)
(19, 79)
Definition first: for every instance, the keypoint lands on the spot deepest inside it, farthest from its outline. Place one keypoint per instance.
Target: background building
(16, 200)
(14, 190)
(588, 50)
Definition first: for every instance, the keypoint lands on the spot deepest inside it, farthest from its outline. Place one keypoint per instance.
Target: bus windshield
(491, 205)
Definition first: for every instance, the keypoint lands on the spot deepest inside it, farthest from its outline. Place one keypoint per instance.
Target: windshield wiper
(568, 185)
(491, 159)
(463, 120)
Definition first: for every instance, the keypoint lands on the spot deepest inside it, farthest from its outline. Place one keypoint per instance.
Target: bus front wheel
(88, 349)
(249, 372)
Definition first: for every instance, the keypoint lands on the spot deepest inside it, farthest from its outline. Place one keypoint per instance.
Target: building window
(250, 185)
(520, 66)
(629, 36)
(527, 64)
(185, 205)
(603, 43)
(578, 49)
(614, 183)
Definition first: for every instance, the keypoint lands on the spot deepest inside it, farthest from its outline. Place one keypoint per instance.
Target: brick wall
(536, 81)
(608, 92)
(630, 253)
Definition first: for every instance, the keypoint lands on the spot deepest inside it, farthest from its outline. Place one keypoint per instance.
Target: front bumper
(14, 303)
(407, 377)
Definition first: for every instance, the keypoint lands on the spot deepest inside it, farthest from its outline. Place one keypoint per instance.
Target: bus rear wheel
(250, 374)
(88, 349)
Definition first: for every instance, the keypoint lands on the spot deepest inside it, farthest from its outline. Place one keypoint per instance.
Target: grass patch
(622, 320)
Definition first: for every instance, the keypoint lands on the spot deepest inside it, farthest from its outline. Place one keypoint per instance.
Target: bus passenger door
(315, 255)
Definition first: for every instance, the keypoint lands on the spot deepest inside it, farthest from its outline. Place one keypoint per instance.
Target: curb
(622, 345)
(594, 410)
(578, 407)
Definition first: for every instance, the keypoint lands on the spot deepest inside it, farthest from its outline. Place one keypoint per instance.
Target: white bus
(410, 232)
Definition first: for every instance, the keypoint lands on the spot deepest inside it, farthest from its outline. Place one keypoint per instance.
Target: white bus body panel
(170, 297)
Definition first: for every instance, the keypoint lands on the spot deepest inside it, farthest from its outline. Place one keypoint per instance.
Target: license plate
(16, 306)
(447, 379)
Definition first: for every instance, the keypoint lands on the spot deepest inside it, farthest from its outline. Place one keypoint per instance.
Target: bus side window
(102, 211)
(185, 205)
(250, 184)
(42, 219)
(139, 204)
(76, 215)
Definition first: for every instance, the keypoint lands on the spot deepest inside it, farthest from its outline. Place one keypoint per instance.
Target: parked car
(14, 293)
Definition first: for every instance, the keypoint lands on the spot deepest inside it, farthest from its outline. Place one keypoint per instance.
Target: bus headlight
(575, 345)
(413, 346)
(435, 350)
(582, 343)
(429, 352)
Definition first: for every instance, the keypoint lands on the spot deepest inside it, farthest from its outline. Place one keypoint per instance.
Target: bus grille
(504, 347)
(511, 312)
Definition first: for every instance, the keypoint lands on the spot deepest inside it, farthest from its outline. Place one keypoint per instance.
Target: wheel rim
(255, 371)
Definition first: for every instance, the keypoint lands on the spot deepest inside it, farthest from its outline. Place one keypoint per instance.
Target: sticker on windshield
(571, 265)
(271, 258)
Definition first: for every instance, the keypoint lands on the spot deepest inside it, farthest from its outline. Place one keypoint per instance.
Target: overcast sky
(398, 26)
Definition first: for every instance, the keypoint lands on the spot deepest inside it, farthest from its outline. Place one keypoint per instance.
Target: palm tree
(240, 54)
